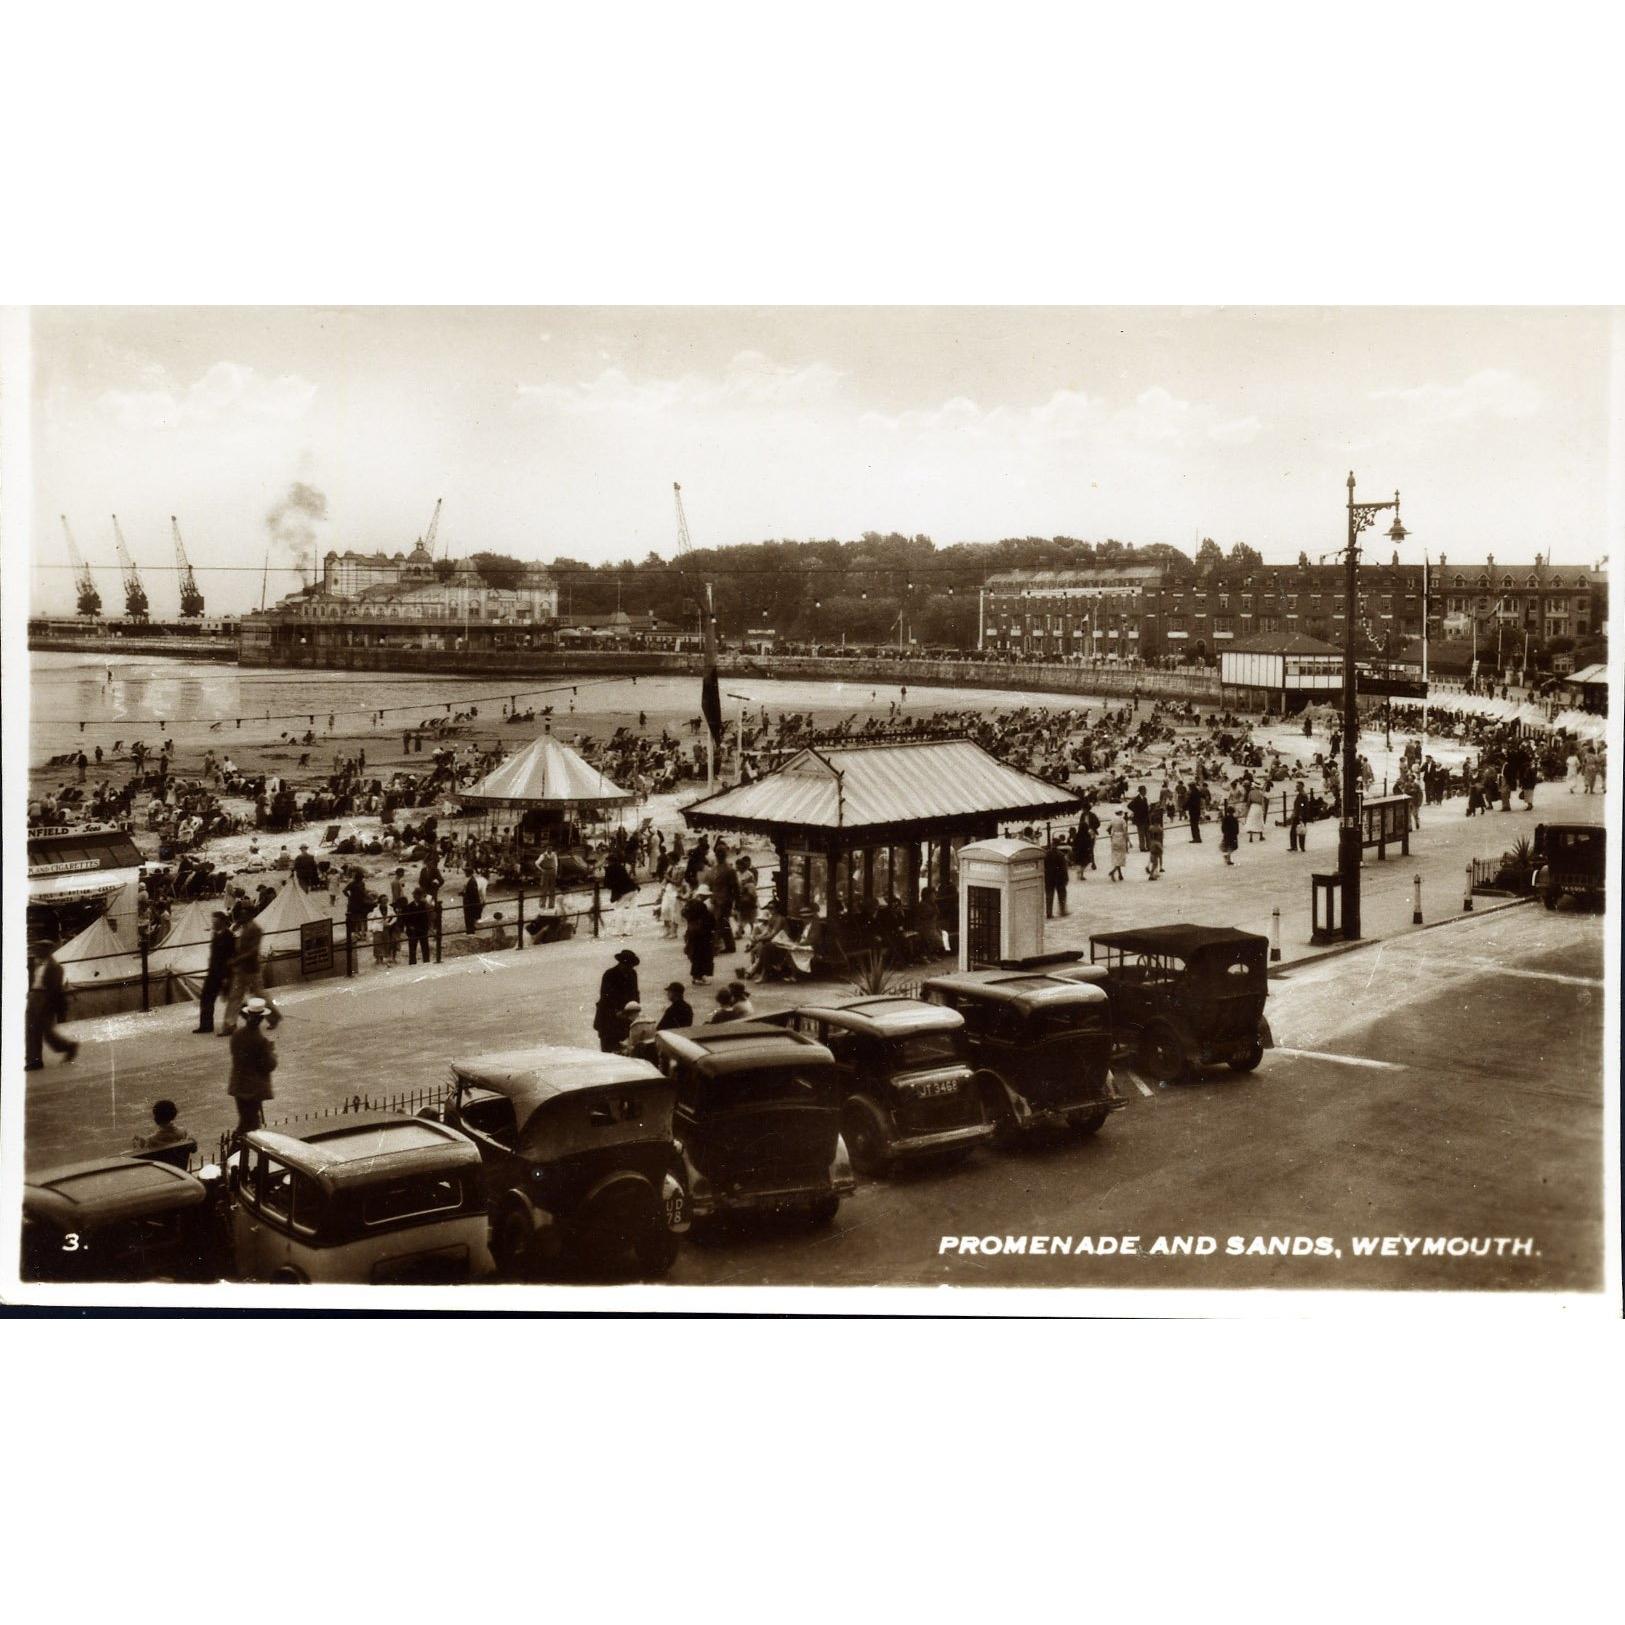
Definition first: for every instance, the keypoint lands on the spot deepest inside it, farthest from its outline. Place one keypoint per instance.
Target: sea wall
(176, 648)
(1057, 678)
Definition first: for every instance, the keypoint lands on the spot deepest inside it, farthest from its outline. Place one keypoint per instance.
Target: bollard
(520, 939)
(1416, 899)
(1275, 935)
(1467, 890)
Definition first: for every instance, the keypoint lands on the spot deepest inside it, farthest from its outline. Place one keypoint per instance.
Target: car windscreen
(800, 1085)
(917, 1050)
(1065, 1021)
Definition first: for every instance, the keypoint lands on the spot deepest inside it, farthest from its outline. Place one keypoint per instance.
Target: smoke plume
(292, 527)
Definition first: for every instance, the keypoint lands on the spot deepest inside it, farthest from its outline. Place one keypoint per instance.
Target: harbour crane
(135, 595)
(90, 601)
(434, 528)
(191, 597)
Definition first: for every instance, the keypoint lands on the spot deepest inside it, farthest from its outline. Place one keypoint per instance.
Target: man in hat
(253, 1060)
(47, 1004)
(247, 979)
(617, 989)
(221, 947)
(305, 871)
(678, 1012)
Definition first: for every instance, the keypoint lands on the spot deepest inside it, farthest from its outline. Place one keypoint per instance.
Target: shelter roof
(859, 787)
(1280, 643)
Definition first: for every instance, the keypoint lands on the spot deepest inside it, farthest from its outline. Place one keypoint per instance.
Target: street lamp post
(1348, 835)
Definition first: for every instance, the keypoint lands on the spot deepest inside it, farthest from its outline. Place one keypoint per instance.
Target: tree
(1209, 556)
(1242, 554)
(498, 570)
(1303, 560)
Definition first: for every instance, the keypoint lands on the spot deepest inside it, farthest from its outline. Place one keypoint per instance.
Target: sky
(559, 431)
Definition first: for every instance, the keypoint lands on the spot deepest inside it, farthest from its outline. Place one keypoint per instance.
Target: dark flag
(711, 703)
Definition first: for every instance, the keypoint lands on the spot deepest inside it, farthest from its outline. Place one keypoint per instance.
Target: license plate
(936, 1086)
(676, 1211)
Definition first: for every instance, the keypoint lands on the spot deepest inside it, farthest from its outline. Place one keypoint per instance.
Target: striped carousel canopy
(544, 774)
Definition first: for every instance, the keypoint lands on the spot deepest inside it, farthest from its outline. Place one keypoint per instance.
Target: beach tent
(97, 957)
(291, 908)
(548, 775)
(184, 951)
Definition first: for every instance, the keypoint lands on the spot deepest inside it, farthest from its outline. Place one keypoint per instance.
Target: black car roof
(106, 1189)
(741, 1046)
(1182, 940)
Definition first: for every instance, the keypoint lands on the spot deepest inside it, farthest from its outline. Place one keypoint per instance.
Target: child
(1153, 867)
(166, 1132)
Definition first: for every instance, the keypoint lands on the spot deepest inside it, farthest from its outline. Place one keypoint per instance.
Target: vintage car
(578, 1158)
(1187, 996)
(1573, 862)
(377, 1198)
(907, 1085)
(124, 1218)
(1042, 1047)
(757, 1120)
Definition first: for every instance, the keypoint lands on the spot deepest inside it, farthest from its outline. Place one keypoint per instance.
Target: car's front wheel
(1248, 1061)
(1088, 1122)
(513, 1234)
(866, 1140)
(1162, 1053)
(823, 1210)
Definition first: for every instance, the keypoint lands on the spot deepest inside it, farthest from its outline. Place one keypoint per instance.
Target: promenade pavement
(397, 1029)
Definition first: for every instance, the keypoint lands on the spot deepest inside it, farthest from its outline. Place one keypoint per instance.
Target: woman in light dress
(671, 904)
(1257, 803)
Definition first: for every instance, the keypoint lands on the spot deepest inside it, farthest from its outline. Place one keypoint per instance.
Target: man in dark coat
(473, 903)
(699, 936)
(617, 989)
(678, 1012)
(725, 892)
(1139, 811)
(253, 1060)
(47, 1005)
(1193, 809)
(222, 946)
(1055, 872)
(305, 871)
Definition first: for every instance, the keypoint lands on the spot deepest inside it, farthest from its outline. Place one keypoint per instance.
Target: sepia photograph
(839, 797)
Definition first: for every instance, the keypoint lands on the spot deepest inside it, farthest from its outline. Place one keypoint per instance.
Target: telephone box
(1001, 902)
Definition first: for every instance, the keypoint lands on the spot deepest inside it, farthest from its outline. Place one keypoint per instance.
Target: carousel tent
(96, 957)
(546, 774)
(184, 951)
(282, 917)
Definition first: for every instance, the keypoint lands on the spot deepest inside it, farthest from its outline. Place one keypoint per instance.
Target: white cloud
(751, 379)
(1236, 432)
(1490, 391)
(225, 391)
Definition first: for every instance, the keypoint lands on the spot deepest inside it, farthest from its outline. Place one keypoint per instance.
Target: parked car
(123, 1218)
(577, 1153)
(907, 1085)
(757, 1120)
(1573, 860)
(378, 1197)
(1042, 1047)
(1187, 996)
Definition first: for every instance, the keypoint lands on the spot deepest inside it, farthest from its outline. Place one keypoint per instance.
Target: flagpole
(1426, 606)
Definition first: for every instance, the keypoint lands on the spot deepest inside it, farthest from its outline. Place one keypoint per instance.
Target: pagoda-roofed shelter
(870, 832)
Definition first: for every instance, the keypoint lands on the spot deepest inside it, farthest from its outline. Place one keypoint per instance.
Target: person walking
(1297, 833)
(547, 874)
(1193, 810)
(617, 988)
(1117, 835)
(1229, 833)
(357, 906)
(678, 1012)
(699, 936)
(47, 1004)
(1153, 866)
(305, 871)
(1083, 843)
(253, 1060)
(415, 921)
(222, 946)
(247, 978)
(1140, 811)
(1055, 871)
(724, 892)
(473, 903)
(1257, 800)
